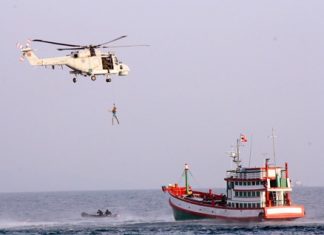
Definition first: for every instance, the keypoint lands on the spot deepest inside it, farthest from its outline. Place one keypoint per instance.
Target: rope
(194, 179)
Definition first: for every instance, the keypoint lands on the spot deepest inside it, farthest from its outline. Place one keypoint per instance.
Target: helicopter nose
(124, 69)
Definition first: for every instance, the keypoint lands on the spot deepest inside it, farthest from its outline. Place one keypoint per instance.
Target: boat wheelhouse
(259, 193)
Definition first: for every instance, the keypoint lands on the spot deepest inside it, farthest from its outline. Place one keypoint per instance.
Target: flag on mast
(243, 138)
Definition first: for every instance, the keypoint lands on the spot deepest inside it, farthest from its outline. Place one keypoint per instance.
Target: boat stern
(284, 212)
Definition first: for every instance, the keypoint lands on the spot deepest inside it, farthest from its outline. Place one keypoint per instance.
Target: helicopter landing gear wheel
(74, 80)
(108, 80)
(93, 78)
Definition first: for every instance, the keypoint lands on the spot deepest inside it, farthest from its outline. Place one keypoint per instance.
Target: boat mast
(186, 178)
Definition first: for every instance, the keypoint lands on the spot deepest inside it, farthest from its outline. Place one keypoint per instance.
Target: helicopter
(86, 60)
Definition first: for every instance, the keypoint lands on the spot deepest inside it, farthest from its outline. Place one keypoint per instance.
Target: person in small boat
(107, 212)
(99, 212)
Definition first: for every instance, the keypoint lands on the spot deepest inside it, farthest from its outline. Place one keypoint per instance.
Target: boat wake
(136, 226)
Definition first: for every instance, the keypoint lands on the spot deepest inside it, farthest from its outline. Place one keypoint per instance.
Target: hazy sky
(215, 69)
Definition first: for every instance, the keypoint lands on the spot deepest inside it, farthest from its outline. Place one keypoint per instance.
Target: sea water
(139, 212)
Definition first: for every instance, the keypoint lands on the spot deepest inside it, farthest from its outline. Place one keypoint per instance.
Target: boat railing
(246, 176)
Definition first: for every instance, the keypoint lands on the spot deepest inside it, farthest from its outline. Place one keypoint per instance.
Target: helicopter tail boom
(34, 60)
(31, 56)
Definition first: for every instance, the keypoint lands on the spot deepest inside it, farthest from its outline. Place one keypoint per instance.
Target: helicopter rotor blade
(56, 43)
(99, 45)
(71, 49)
(139, 45)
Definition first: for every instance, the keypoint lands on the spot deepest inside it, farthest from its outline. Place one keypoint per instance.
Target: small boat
(257, 194)
(87, 215)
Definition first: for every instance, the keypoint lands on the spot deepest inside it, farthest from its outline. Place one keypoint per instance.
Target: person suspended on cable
(114, 116)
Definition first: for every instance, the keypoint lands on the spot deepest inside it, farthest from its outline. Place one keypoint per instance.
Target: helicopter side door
(107, 63)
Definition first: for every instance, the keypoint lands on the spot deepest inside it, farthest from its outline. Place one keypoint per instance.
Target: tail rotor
(23, 49)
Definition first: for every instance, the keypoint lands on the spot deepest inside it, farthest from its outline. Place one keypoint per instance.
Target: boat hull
(184, 209)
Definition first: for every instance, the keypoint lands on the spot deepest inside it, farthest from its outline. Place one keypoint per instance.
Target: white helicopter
(84, 60)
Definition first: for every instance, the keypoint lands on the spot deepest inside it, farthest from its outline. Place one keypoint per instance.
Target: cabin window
(240, 183)
(241, 205)
(253, 194)
(236, 194)
(237, 205)
(241, 194)
(249, 183)
(244, 183)
(258, 194)
(253, 182)
(244, 194)
(236, 183)
(273, 183)
(249, 194)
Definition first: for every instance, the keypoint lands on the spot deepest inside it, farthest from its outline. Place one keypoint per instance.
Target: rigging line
(196, 181)
(180, 178)
(113, 93)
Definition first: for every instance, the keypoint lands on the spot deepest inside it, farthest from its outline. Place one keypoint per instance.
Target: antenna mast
(236, 155)
(273, 145)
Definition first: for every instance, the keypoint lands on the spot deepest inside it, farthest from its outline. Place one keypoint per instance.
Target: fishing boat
(252, 194)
